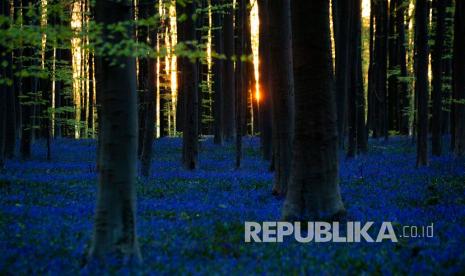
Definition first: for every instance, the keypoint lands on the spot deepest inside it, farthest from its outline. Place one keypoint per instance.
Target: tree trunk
(229, 98)
(27, 98)
(217, 73)
(189, 72)
(393, 93)
(283, 91)
(265, 81)
(149, 98)
(421, 85)
(459, 80)
(401, 55)
(115, 218)
(342, 35)
(313, 191)
(437, 68)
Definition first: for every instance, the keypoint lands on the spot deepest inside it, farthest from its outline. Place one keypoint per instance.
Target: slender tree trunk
(371, 75)
(459, 80)
(421, 85)
(27, 91)
(353, 85)
(217, 72)
(149, 98)
(437, 67)
(342, 36)
(380, 67)
(393, 94)
(189, 71)
(240, 77)
(8, 135)
(283, 91)
(401, 54)
(313, 191)
(115, 218)
(229, 98)
(265, 81)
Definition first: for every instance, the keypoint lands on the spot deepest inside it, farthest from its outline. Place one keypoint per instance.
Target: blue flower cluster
(193, 222)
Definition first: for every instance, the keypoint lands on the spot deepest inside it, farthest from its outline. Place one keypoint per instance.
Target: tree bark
(217, 73)
(421, 84)
(189, 72)
(283, 91)
(401, 55)
(229, 99)
(341, 21)
(115, 218)
(459, 80)
(149, 97)
(313, 191)
(437, 68)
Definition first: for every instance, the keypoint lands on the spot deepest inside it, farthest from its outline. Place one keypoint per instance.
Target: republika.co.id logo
(320, 231)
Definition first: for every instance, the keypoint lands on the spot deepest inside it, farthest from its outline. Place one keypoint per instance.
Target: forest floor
(193, 222)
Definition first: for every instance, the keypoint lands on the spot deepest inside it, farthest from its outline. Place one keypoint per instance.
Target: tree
(149, 98)
(115, 218)
(380, 68)
(437, 68)
(229, 99)
(217, 72)
(401, 55)
(313, 190)
(190, 89)
(421, 84)
(265, 81)
(283, 91)
(341, 23)
(459, 81)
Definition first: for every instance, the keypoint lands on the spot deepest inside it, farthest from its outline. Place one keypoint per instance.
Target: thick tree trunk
(421, 84)
(217, 73)
(229, 99)
(265, 81)
(313, 191)
(459, 80)
(115, 219)
(437, 68)
(283, 91)
(189, 72)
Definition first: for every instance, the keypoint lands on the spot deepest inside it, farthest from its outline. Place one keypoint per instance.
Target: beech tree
(115, 215)
(190, 89)
(421, 82)
(459, 80)
(283, 91)
(437, 65)
(313, 191)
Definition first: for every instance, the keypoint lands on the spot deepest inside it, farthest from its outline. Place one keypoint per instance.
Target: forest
(238, 137)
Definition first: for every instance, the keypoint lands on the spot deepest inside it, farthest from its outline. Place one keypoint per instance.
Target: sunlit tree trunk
(115, 218)
(265, 84)
(393, 86)
(421, 84)
(437, 68)
(459, 80)
(313, 191)
(283, 91)
(190, 89)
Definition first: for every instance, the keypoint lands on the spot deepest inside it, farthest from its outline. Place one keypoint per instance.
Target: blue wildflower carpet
(193, 222)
